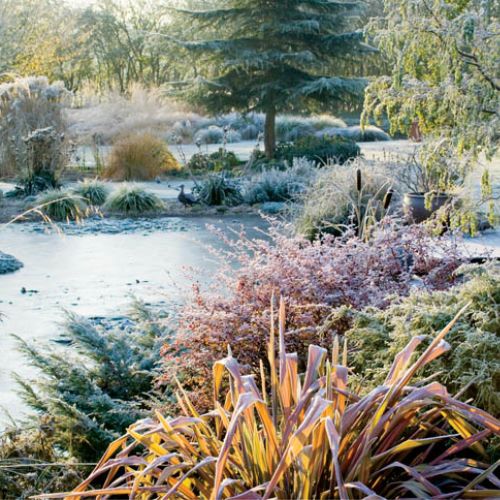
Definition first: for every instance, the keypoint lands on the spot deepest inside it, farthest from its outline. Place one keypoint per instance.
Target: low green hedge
(320, 149)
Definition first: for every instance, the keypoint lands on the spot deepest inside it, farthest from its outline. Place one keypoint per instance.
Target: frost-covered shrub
(319, 149)
(320, 122)
(141, 156)
(233, 136)
(473, 363)
(33, 145)
(291, 128)
(96, 387)
(210, 135)
(356, 133)
(249, 132)
(181, 132)
(213, 162)
(133, 200)
(276, 184)
(329, 205)
(313, 277)
(234, 120)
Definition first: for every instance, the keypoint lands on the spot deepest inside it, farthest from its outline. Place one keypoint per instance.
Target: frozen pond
(93, 275)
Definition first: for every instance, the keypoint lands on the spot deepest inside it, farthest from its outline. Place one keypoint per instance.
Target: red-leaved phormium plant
(314, 277)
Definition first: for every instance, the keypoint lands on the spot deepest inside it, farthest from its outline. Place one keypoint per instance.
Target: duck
(187, 199)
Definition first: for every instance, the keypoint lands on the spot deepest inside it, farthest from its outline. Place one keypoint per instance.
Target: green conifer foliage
(275, 56)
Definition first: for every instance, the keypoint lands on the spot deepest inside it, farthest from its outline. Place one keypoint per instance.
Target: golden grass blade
(206, 461)
(297, 441)
(315, 360)
(334, 440)
(402, 360)
(186, 400)
(245, 401)
(428, 354)
(225, 484)
(411, 444)
(272, 367)
(148, 443)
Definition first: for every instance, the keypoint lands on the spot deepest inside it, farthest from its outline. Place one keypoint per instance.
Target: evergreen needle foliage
(472, 366)
(93, 388)
(276, 56)
(291, 435)
(133, 200)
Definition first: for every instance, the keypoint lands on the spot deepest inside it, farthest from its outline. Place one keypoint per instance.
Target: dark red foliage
(313, 277)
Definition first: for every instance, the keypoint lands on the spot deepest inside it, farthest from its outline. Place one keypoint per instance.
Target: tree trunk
(270, 132)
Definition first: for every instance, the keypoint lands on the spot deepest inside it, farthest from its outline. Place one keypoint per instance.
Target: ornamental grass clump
(61, 206)
(140, 157)
(343, 197)
(33, 140)
(94, 192)
(285, 435)
(278, 185)
(30, 464)
(133, 200)
(219, 190)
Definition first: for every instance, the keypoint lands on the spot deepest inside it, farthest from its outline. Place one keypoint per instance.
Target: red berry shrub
(314, 278)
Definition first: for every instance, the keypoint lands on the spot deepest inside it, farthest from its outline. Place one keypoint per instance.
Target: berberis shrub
(315, 277)
(291, 435)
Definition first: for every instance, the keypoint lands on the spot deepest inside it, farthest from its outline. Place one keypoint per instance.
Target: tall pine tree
(275, 56)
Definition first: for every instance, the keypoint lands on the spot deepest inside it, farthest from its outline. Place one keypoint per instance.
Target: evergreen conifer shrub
(96, 384)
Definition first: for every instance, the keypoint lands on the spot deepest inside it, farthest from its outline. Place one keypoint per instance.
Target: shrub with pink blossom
(314, 277)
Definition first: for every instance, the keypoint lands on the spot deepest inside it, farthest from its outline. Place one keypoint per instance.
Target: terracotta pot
(414, 205)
